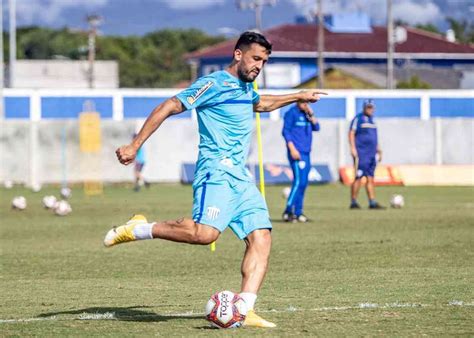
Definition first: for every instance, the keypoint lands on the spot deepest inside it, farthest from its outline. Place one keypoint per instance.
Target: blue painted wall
(448, 107)
(141, 107)
(326, 108)
(392, 107)
(17, 107)
(329, 107)
(71, 107)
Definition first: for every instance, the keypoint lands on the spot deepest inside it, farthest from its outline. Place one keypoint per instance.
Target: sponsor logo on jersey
(193, 98)
(213, 212)
(230, 84)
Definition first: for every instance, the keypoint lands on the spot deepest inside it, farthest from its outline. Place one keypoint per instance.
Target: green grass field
(348, 273)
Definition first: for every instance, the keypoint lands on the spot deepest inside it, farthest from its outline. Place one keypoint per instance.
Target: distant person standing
(139, 164)
(298, 128)
(364, 147)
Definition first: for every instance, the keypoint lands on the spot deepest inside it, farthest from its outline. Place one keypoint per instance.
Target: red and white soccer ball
(226, 310)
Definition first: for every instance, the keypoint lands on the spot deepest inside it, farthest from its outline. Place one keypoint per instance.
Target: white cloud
(415, 12)
(49, 11)
(192, 4)
(411, 11)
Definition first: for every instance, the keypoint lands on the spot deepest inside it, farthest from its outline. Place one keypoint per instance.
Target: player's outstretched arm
(271, 102)
(126, 154)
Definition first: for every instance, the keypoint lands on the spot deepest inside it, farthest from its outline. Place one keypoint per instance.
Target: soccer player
(298, 128)
(364, 146)
(224, 193)
(137, 170)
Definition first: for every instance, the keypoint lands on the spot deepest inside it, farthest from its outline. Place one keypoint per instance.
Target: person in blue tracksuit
(140, 160)
(298, 128)
(363, 141)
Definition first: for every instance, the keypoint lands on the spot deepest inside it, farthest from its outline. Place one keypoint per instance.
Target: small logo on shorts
(359, 173)
(213, 213)
(227, 162)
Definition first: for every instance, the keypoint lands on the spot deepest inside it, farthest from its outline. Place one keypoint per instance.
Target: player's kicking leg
(254, 268)
(182, 230)
(185, 230)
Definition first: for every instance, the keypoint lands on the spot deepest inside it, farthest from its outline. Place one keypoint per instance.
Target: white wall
(32, 151)
(65, 74)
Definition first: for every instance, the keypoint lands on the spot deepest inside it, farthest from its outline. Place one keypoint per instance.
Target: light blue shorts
(221, 201)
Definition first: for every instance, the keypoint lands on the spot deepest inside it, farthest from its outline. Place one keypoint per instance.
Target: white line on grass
(112, 316)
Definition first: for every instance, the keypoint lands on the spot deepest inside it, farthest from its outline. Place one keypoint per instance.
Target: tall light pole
(12, 12)
(257, 6)
(320, 44)
(390, 45)
(94, 21)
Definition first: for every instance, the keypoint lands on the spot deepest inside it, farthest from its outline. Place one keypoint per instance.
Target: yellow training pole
(213, 246)
(260, 149)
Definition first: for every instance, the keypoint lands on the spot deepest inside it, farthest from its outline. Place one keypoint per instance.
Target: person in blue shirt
(364, 145)
(298, 128)
(223, 190)
(140, 161)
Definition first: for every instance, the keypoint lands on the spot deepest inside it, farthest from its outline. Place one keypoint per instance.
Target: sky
(137, 17)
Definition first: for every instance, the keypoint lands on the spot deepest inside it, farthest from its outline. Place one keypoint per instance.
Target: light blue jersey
(224, 106)
(224, 192)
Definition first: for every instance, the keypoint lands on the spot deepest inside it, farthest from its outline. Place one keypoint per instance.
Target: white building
(64, 74)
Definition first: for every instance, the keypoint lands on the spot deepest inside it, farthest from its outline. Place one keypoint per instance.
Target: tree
(154, 60)
(463, 30)
(429, 27)
(413, 83)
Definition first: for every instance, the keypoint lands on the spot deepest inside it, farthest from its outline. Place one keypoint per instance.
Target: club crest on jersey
(213, 212)
(193, 98)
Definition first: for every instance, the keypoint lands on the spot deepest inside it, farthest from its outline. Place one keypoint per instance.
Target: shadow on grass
(129, 314)
(279, 221)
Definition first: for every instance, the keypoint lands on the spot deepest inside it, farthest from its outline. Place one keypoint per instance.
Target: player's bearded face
(250, 62)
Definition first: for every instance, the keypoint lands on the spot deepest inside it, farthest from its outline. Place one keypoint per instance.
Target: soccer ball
(397, 201)
(36, 187)
(226, 310)
(19, 203)
(285, 192)
(49, 202)
(62, 208)
(8, 184)
(66, 192)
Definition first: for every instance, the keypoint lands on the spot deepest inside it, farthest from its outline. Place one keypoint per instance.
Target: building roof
(298, 39)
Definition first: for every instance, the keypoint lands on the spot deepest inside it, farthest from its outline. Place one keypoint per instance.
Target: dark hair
(247, 38)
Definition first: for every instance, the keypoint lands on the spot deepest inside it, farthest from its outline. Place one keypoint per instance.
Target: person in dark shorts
(365, 149)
